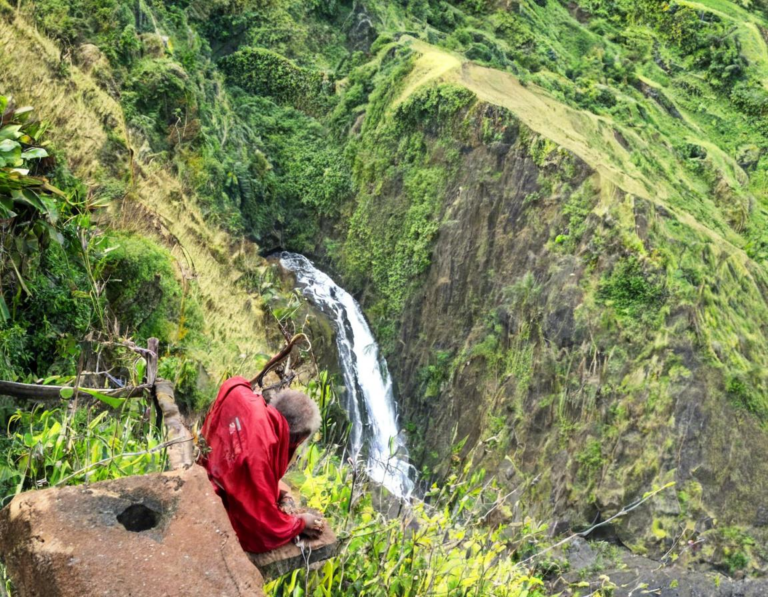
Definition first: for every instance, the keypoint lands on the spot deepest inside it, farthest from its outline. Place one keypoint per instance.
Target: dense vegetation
(71, 267)
(319, 127)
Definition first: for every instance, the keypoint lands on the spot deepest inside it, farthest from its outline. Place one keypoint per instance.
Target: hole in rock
(138, 517)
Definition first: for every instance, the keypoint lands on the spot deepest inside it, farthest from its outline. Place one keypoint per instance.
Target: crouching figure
(251, 443)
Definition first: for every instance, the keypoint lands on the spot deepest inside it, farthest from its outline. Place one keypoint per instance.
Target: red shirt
(249, 454)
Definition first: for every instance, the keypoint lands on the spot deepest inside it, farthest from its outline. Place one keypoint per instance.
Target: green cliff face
(571, 287)
(554, 213)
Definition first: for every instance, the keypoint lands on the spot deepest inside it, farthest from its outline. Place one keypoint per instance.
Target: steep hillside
(576, 294)
(149, 198)
(554, 213)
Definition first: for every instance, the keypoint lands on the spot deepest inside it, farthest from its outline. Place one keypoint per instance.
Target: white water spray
(370, 400)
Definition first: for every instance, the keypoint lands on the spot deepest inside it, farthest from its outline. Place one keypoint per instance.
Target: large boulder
(155, 535)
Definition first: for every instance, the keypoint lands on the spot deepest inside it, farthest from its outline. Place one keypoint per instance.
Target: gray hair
(300, 411)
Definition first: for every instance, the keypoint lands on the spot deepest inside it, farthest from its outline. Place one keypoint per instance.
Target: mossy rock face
(568, 312)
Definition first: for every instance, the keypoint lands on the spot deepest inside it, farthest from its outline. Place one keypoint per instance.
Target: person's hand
(286, 503)
(313, 525)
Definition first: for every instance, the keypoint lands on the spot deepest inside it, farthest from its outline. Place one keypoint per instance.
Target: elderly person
(251, 445)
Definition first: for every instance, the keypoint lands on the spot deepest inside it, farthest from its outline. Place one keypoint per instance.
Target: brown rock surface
(76, 542)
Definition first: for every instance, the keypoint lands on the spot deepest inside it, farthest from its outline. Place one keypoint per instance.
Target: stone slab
(148, 536)
(307, 553)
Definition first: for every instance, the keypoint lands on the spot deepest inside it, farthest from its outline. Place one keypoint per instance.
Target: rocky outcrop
(602, 568)
(148, 536)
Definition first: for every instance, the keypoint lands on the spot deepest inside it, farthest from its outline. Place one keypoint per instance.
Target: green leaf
(108, 400)
(34, 153)
(5, 314)
(66, 393)
(8, 145)
(141, 370)
(31, 198)
(10, 132)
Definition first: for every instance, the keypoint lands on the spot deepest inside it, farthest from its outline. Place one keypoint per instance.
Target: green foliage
(184, 373)
(591, 457)
(576, 211)
(142, 288)
(159, 88)
(49, 298)
(432, 377)
(433, 108)
(48, 447)
(80, 21)
(29, 201)
(267, 73)
(632, 289)
(742, 394)
(736, 546)
(451, 551)
(282, 197)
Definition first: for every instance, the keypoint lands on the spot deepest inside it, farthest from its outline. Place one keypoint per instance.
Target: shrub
(630, 289)
(267, 73)
(433, 108)
(751, 98)
(742, 394)
(142, 288)
(159, 87)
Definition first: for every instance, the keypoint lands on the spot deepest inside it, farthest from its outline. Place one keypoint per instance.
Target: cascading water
(370, 400)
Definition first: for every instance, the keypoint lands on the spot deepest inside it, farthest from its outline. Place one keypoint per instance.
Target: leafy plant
(265, 72)
(54, 446)
(28, 202)
(632, 289)
(443, 545)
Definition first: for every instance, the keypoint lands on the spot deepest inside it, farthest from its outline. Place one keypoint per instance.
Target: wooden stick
(152, 359)
(31, 391)
(181, 452)
(273, 362)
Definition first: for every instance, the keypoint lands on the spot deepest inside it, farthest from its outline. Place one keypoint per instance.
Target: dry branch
(275, 360)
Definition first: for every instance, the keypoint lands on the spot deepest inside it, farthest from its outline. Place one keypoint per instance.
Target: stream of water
(370, 401)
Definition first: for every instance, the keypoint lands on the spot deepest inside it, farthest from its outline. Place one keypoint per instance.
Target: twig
(623, 512)
(256, 381)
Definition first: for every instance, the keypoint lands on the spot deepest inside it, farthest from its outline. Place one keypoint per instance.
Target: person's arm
(266, 526)
(271, 526)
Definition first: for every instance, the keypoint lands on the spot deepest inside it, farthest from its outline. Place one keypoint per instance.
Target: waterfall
(370, 401)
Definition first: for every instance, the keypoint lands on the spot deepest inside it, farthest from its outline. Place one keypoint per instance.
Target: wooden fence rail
(31, 391)
(181, 454)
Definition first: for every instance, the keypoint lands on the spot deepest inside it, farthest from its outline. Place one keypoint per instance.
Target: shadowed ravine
(370, 402)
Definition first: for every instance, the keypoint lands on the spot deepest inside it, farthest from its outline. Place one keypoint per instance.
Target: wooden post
(153, 347)
(181, 454)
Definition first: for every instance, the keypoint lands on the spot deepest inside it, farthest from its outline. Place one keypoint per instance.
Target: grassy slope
(156, 204)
